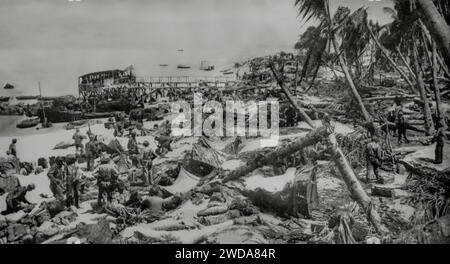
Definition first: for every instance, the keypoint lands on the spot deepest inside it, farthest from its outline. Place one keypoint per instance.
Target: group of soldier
(375, 154)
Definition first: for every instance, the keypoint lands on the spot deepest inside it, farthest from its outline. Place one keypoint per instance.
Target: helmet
(146, 143)
(14, 140)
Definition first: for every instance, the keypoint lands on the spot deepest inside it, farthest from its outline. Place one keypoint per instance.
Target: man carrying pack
(107, 179)
(374, 159)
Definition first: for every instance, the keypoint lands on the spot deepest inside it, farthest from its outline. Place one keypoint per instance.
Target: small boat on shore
(183, 66)
(27, 123)
(228, 72)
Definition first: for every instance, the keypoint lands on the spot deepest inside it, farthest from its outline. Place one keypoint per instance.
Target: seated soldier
(16, 201)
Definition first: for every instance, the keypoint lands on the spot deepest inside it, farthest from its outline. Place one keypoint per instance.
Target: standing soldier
(401, 124)
(237, 142)
(148, 155)
(107, 179)
(374, 159)
(133, 149)
(78, 138)
(57, 175)
(12, 148)
(72, 182)
(90, 151)
(439, 138)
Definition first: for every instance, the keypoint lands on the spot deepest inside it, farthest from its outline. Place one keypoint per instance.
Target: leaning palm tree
(321, 10)
(436, 24)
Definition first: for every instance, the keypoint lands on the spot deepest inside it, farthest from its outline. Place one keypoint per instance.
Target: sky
(55, 41)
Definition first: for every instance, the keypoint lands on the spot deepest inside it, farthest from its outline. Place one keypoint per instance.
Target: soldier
(163, 144)
(78, 138)
(148, 155)
(291, 116)
(237, 142)
(133, 149)
(401, 124)
(374, 159)
(16, 201)
(439, 138)
(57, 175)
(72, 182)
(107, 179)
(12, 148)
(91, 152)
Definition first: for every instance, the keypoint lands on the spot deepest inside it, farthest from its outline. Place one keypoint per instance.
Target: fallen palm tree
(310, 139)
(348, 175)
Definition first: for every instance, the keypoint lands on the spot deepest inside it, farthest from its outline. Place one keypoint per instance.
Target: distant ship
(183, 66)
(8, 86)
(181, 50)
(163, 65)
(206, 66)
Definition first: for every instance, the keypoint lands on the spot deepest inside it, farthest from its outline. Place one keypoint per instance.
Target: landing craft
(183, 66)
(8, 86)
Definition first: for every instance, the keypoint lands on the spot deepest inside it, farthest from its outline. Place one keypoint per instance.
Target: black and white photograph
(201, 122)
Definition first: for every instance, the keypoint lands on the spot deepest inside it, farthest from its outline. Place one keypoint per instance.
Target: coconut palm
(437, 25)
(320, 10)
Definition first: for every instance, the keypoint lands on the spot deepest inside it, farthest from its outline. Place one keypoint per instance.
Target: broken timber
(310, 139)
(348, 175)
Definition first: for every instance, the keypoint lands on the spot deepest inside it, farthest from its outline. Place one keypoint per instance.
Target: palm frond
(312, 9)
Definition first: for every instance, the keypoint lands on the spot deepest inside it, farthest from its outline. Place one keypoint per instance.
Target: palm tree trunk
(429, 40)
(355, 188)
(437, 93)
(350, 82)
(310, 139)
(391, 61)
(356, 191)
(399, 52)
(423, 95)
(438, 28)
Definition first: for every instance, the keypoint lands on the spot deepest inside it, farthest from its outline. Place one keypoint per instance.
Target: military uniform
(14, 200)
(78, 138)
(402, 125)
(91, 151)
(133, 150)
(12, 149)
(107, 181)
(373, 157)
(57, 175)
(147, 161)
(72, 185)
(440, 139)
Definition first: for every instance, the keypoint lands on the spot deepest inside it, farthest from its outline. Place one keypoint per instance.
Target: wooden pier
(147, 85)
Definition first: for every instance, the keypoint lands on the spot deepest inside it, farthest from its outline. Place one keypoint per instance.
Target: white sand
(271, 184)
(184, 182)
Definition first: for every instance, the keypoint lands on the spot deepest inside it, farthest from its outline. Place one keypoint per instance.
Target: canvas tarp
(184, 183)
